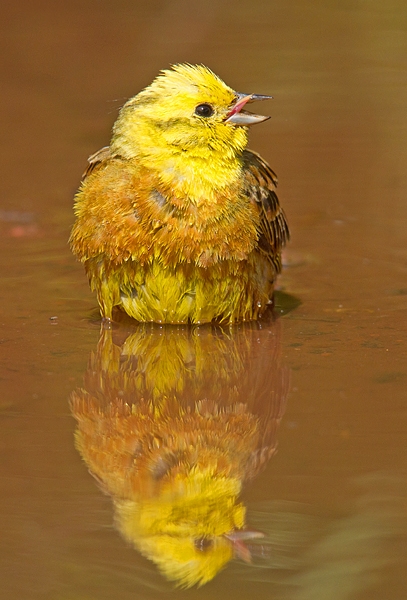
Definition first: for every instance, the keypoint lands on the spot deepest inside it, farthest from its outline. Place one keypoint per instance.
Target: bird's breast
(125, 211)
(201, 231)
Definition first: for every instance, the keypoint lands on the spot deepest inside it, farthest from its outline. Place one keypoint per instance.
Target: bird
(176, 220)
(173, 438)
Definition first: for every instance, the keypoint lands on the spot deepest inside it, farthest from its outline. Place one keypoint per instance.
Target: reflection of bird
(174, 459)
(176, 221)
(175, 477)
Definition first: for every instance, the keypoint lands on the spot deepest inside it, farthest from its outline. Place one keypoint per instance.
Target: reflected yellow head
(184, 530)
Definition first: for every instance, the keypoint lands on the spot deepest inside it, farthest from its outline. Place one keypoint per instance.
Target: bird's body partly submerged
(176, 221)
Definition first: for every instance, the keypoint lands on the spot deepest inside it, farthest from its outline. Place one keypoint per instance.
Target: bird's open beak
(238, 538)
(237, 116)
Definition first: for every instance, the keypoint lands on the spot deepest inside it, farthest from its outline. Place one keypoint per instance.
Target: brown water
(332, 502)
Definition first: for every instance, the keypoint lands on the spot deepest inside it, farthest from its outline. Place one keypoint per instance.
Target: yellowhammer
(176, 221)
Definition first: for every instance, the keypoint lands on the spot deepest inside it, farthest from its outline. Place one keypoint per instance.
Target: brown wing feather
(261, 183)
(96, 160)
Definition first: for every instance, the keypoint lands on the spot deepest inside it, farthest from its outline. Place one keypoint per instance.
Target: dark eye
(204, 110)
(203, 544)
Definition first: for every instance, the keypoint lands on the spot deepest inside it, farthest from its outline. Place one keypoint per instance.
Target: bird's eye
(204, 110)
(203, 544)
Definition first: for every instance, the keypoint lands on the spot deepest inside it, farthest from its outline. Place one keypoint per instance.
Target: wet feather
(176, 221)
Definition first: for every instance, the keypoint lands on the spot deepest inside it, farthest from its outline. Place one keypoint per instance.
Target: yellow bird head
(187, 113)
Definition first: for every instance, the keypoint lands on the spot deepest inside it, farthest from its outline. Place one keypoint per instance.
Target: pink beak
(236, 117)
(238, 538)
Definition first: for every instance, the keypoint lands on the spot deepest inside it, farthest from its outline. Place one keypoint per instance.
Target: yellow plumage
(176, 221)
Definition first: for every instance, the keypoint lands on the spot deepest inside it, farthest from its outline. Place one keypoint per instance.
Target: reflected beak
(238, 117)
(238, 539)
